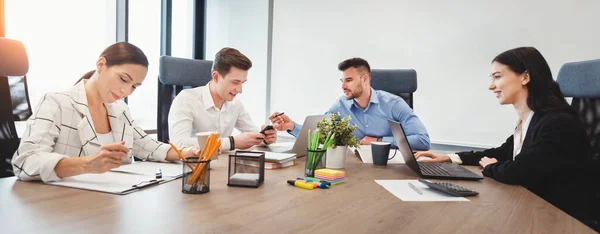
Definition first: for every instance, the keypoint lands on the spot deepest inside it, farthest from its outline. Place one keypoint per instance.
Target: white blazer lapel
(120, 124)
(85, 127)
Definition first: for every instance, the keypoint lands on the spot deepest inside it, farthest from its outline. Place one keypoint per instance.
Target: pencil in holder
(246, 169)
(196, 176)
(315, 159)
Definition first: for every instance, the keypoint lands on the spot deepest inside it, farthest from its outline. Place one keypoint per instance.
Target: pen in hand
(277, 120)
(412, 186)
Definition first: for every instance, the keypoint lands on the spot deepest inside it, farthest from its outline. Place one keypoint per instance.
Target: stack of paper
(268, 165)
(248, 179)
(331, 176)
(279, 147)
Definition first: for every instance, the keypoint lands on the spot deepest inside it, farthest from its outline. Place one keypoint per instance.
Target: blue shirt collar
(374, 99)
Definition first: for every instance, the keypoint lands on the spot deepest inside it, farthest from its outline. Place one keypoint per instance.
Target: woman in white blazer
(89, 129)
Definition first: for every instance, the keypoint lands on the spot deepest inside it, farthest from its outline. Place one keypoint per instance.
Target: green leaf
(340, 130)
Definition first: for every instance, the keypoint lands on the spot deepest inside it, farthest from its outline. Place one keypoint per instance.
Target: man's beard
(356, 94)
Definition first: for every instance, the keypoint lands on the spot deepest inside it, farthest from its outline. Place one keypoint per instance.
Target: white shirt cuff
(455, 158)
(225, 144)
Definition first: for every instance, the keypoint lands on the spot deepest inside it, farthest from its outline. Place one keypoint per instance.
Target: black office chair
(401, 82)
(176, 74)
(581, 81)
(13, 62)
(19, 94)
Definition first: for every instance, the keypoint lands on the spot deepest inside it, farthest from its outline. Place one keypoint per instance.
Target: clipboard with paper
(109, 182)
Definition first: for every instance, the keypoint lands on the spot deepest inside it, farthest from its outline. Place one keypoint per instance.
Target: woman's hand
(191, 151)
(487, 161)
(107, 158)
(434, 157)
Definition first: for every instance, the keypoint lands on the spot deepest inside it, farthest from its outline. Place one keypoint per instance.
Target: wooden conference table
(357, 206)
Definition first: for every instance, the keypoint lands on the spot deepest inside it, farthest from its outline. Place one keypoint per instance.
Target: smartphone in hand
(268, 127)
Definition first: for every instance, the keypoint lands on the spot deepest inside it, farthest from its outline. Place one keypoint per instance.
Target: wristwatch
(231, 143)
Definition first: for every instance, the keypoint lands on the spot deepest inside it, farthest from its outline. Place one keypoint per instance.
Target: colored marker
(301, 184)
(317, 182)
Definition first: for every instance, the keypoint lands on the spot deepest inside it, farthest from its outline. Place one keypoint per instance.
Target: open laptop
(433, 170)
(301, 143)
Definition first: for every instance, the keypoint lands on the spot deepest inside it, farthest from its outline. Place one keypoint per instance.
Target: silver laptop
(432, 170)
(301, 143)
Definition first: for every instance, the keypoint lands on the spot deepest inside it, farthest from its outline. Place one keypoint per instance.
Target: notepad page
(149, 168)
(404, 192)
(110, 182)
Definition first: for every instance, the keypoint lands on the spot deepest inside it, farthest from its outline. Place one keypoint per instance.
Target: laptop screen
(301, 143)
(404, 146)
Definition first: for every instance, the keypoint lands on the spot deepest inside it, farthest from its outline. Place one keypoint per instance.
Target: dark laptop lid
(404, 146)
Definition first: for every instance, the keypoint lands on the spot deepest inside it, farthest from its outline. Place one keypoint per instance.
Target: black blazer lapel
(531, 130)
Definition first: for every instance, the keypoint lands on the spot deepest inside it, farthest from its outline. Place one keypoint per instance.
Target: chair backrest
(13, 62)
(400, 82)
(176, 74)
(581, 81)
(19, 93)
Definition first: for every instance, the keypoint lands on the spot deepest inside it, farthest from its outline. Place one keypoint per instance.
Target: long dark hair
(544, 93)
(118, 54)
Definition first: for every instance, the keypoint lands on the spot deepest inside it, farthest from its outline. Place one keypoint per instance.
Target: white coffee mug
(202, 137)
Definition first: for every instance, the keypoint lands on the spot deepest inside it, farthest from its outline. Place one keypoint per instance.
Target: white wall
(449, 43)
(242, 24)
(63, 39)
(144, 32)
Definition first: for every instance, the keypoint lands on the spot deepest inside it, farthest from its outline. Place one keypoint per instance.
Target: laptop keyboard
(433, 169)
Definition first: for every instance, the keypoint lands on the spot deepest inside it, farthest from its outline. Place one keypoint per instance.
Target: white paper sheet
(278, 147)
(402, 190)
(364, 153)
(283, 144)
(110, 182)
(149, 168)
(277, 157)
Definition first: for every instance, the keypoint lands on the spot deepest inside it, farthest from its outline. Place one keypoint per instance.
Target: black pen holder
(315, 159)
(196, 176)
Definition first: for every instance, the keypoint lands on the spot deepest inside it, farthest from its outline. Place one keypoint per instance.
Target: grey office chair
(13, 62)
(176, 74)
(401, 82)
(581, 81)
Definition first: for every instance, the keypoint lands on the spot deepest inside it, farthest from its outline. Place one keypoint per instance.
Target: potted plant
(341, 130)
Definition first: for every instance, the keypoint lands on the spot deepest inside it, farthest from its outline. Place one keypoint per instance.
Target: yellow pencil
(180, 155)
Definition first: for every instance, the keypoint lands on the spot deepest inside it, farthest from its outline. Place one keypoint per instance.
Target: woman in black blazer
(547, 153)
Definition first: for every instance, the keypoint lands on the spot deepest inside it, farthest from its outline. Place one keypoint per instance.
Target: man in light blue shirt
(369, 109)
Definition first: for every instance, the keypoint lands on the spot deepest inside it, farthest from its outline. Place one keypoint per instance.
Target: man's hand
(281, 122)
(248, 139)
(367, 140)
(270, 136)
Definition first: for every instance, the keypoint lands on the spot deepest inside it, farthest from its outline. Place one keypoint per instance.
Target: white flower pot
(336, 157)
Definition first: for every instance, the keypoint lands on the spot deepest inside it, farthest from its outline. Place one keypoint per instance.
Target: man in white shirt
(213, 108)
